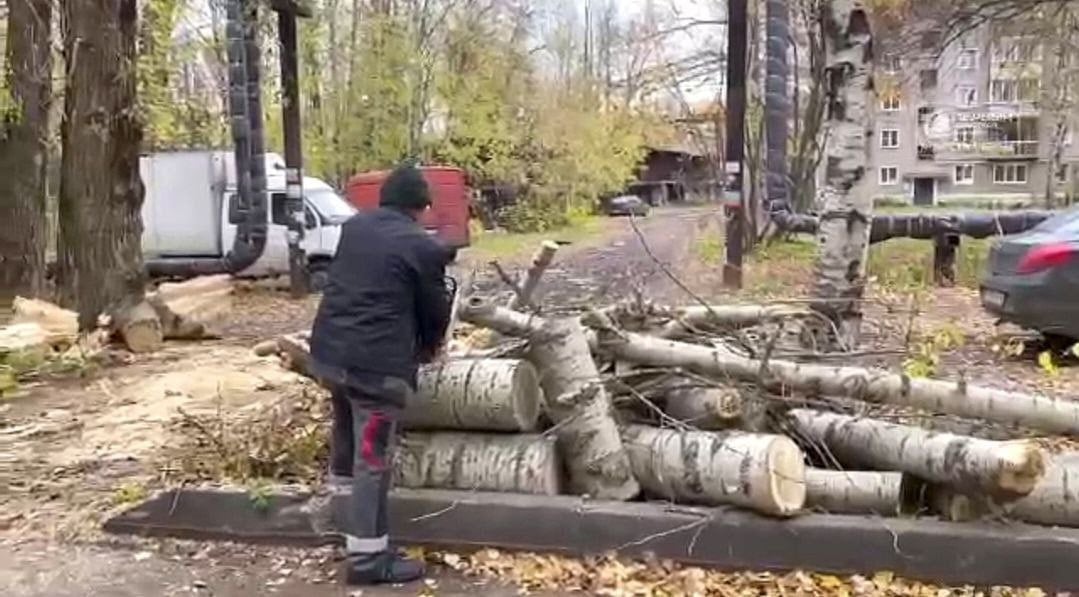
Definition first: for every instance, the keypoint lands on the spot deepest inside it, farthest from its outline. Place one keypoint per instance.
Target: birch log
(574, 396)
(1054, 501)
(687, 320)
(976, 465)
(1009, 408)
(526, 295)
(763, 472)
(477, 395)
(705, 408)
(460, 394)
(189, 310)
(861, 492)
(475, 462)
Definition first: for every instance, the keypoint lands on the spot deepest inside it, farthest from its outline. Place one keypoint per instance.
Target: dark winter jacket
(385, 307)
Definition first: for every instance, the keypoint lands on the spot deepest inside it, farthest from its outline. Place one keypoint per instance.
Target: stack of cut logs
(173, 311)
(649, 402)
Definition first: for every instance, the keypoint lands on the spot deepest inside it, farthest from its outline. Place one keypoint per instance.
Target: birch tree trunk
(848, 206)
(100, 250)
(861, 492)
(477, 395)
(1032, 411)
(575, 398)
(998, 468)
(762, 472)
(1054, 501)
(474, 462)
(24, 141)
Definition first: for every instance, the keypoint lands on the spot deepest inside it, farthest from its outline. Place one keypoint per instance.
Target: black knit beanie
(405, 188)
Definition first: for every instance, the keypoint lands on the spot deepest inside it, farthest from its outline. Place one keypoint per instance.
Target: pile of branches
(699, 405)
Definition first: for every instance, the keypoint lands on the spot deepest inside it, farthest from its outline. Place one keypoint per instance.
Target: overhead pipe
(249, 210)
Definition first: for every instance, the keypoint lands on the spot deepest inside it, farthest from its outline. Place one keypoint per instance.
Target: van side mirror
(309, 219)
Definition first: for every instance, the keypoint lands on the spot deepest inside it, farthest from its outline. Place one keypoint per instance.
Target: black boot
(381, 568)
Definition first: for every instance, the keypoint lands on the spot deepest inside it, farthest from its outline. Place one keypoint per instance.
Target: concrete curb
(949, 553)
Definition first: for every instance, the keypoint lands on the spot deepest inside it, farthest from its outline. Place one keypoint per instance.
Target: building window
(890, 103)
(889, 175)
(964, 174)
(964, 135)
(966, 95)
(889, 138)
(1014, 90)
(1010, 174)
(968, 59)
(893, 64)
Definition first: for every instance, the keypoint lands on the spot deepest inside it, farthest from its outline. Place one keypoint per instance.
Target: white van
(186, 206)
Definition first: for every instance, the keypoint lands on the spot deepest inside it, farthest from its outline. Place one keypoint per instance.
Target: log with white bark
(1032, 411)
(1054, 501)
(475, 462)
(763, 472)
(688, 320)
(575, 398)
(139, 327)
(861, 492)
(462, 394)
(189, 310)
(975, 465)
(477, 395)
(525, 297)
(679, 322)
(708, 408)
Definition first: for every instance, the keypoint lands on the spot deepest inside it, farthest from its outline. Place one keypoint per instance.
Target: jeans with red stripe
(371, 435)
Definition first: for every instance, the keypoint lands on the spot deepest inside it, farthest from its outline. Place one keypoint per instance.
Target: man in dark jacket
(384, 310)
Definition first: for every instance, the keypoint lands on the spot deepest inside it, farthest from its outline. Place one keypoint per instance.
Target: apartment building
(976, 121)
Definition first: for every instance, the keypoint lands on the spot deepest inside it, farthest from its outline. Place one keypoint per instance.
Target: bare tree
(24, 132)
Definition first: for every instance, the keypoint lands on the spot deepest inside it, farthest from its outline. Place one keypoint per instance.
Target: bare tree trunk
(848, 208)
(575, 398)
(24, 140)
(1054, 501)
(100, 189)
(861, 492)
(998, 468)
(477, 395)
(476, 462)
(1032, 411)
(762, 472)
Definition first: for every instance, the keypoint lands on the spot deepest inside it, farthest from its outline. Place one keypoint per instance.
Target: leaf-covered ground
(75, 449)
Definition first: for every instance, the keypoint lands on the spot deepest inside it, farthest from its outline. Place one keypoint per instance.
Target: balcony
(1010, 149)
(989, 150)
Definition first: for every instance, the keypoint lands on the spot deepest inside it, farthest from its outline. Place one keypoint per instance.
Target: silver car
(1033, 277)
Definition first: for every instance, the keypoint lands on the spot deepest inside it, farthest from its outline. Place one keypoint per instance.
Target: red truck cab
(450, 201)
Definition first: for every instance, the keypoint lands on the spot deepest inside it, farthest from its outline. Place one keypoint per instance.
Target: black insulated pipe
(248, 210)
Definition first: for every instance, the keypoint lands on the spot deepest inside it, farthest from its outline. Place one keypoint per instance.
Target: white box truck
(185, 213)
